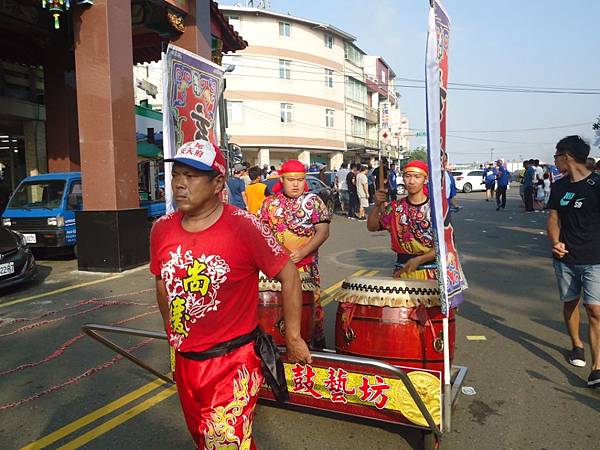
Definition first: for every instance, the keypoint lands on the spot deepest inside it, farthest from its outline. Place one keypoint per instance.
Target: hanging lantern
(56, 8)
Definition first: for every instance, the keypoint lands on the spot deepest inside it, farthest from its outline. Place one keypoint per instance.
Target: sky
(533, 43)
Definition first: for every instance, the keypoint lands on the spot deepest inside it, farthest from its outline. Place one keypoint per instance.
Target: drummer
(300, 222)
(409, 222)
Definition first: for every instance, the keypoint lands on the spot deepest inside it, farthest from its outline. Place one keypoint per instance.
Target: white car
(469, 180)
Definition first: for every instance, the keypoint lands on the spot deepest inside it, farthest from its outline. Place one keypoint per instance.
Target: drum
(395, 320)
(270, 307)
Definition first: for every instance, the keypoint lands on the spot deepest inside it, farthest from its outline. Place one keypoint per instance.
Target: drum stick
(381, 184)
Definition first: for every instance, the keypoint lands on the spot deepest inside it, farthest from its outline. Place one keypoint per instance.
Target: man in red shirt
(206, 257)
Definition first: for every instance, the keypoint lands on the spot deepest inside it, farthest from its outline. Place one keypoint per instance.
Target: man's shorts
(574, 278)
(218, 397)
(490, 186)
(364, 202)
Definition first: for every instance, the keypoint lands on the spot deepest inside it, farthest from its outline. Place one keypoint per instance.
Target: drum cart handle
(92, 331)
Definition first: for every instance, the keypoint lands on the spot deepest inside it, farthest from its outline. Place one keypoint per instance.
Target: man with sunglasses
(574, 234)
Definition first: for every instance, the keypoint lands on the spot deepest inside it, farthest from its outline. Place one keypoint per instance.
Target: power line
(420, 84)
(498, 140)
(515, 130)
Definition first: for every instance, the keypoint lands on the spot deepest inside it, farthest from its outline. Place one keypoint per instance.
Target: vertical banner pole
(436, 75)
(168, 141)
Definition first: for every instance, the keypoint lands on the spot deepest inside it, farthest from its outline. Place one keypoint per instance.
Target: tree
(596, 128)
(419, 153)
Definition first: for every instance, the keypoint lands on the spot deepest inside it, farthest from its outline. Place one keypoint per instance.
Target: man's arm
(320, 236)
(163, 302)
(373, 217)
(553, 227)
(291, 291)
(413, 263)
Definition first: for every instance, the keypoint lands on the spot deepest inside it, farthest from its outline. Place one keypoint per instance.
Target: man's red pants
(218, 397)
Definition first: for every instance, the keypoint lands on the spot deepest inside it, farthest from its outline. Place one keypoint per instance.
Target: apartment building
(286, 95)
(393, 126)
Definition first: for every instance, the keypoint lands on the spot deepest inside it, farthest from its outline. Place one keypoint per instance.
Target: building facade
(302, 90)
(286, 95)
(393, 126)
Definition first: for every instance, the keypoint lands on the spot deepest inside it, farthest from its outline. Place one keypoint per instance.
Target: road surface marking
(476, 338)
(328, 297)
(337, 285)
(93, 416)
(58, 291)
(119, 420)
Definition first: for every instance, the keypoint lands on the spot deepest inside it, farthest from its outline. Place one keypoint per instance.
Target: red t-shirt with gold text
(211, 276)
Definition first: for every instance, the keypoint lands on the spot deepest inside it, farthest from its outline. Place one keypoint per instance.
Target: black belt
(266, 350)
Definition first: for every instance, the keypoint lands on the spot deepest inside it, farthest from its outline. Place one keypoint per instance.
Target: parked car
(469, 180)
(315, 186)
(17, 263)
(43, 209)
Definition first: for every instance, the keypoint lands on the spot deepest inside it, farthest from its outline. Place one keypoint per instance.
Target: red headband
(417, 167)
(292, 167)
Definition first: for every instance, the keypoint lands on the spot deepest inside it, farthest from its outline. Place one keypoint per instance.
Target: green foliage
(419, 153)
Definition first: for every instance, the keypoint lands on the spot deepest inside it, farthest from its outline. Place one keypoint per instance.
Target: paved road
(59, 390)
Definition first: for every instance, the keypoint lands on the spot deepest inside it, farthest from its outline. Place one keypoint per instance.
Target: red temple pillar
(112, 229)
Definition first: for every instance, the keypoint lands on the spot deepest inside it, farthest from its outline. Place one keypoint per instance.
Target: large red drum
(270, 308)
(398, 321)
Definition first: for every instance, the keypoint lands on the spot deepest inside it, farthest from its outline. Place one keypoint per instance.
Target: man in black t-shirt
(352, 192)
(574, 233)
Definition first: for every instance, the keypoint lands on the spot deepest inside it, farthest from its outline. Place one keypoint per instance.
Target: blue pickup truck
(43, 208)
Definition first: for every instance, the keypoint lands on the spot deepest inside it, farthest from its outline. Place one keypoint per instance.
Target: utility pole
(492, 154)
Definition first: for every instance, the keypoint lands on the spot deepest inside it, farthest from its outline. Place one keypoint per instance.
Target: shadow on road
(529, 342)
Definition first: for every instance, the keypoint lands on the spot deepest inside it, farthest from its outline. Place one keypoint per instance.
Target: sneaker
(351, 218)
(594, 379)
(577, 357)
(362, 219)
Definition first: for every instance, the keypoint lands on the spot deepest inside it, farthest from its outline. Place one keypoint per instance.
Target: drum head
(389, 291)
(269, 284)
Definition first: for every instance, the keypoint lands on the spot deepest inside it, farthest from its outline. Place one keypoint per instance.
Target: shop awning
(147, 150)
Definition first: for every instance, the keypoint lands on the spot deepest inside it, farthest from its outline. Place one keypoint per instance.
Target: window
(359, 127)
(314, 184)
(476, 173)
(329, 114)
(285, 69)
(286, 112)
(383, 75)
(235, 112)
(75, 200)
(234, 60)
(356, 90)
(285, 29)
(329, 78)
(328, 40)
(352, 54)
(235, 22)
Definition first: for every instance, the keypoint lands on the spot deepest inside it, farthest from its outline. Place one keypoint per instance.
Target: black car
(315, 186)
(16, 260)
